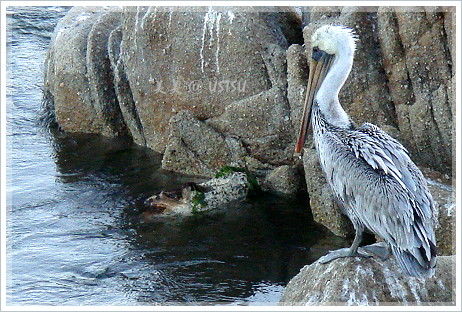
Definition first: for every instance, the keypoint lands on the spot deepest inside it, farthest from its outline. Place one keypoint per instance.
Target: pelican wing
(383, 152)
(379, 185)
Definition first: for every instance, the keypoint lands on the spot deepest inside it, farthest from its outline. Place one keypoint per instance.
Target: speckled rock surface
(128, 71)
(283, 180)
(194, 147)
(232, 187)
(445, 227)
(71, 54)
(402, 76)
(369, 281)
(135, 68)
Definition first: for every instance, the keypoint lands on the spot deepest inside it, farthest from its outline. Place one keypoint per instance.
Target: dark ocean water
(74, 235)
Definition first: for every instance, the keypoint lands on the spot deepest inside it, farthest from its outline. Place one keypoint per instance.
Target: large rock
(361, 281)
(129, 72)
(75, 69)
(415, 49)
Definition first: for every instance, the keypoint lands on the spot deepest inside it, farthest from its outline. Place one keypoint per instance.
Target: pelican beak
(320, 64)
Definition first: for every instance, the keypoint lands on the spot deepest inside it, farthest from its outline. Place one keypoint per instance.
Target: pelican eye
(317, 54)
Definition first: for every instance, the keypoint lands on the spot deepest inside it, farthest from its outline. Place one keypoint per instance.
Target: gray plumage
(375, 182)
(379, 188)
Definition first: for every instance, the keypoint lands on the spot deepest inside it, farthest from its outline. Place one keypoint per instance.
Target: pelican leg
(346, 252)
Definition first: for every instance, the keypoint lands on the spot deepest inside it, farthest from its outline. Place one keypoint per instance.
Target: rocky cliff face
(127, 72)
(131, 71)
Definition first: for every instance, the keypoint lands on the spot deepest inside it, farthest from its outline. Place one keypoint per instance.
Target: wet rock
(197, 198)
(66, 73)
(445, 227)
(283, 180)
(370, 281)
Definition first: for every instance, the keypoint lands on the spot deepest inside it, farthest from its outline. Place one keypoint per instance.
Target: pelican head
(331, 60)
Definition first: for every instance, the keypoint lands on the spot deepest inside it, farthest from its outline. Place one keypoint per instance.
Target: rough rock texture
(369, 281)
(283, 180)
(297, 79)
(402, 77)
(445, 227)
(417, 59)
(205, 149)
(72, 72)
(218, 86)
(134, 70)
(128, 71)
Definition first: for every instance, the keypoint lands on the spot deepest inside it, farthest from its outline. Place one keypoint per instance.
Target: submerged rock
(197, 198)
(370, 281)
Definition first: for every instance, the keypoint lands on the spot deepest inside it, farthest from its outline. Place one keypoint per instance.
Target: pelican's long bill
(319, 66)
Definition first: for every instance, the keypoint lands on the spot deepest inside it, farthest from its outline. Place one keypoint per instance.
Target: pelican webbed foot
(379, 250)
(342, 253)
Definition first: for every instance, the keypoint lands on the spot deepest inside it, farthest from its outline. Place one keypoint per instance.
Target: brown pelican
(375, 182)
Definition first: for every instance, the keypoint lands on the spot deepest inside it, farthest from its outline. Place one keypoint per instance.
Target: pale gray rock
(445, 227)
(370, 282)
(283, 180)
(196, 148)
